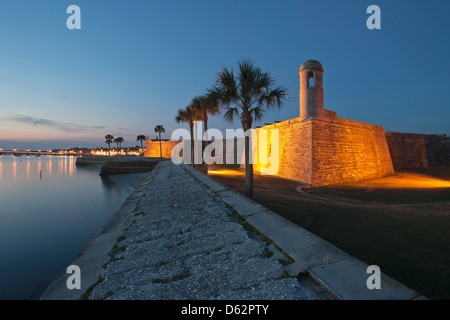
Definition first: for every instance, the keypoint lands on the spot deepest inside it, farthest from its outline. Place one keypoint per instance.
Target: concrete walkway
(175, 239)
(182, 235)
(341, 274)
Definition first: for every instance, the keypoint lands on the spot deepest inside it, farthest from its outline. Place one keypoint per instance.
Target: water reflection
(28, 169)
(14, 169)
(45, 222)
(49, 167)
(32, 167)
(71, 166)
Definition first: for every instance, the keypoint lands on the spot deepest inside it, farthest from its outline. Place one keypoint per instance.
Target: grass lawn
(410, 243)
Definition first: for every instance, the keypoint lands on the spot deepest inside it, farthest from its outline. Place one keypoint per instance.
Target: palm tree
(160, 129)
(118, 141)
(245, 94)
(109, 139)
(141, 138)
(203, 106)
(188, 115)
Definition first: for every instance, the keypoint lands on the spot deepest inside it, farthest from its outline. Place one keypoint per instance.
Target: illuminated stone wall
(318, 152)
(295, 150)
(347, 151)
(407, 150)
(152, 149)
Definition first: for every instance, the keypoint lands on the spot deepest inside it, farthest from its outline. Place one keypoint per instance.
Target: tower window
(310, 79)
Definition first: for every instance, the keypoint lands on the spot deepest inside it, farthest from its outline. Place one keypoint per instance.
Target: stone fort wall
(295, 150)
(347, 151)
(318, 152)
(337, 150)
(407, 150)
(438, 149)
(411, 150)
(153, 150)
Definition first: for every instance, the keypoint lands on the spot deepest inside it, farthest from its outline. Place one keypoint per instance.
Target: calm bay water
(49, 209)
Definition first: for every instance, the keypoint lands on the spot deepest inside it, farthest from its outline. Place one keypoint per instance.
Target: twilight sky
(134, 63)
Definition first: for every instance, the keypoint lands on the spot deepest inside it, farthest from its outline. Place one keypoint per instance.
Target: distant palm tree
(203, 106)
(245, 94)
(188, 115)
(109, 139)
(141, 138)
(160, 129)
(118, 141)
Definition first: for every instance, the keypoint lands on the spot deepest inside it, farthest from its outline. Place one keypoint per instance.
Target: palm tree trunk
(160, 148)
(248, 170)
(192, 144)
(195, 141)
(205, 143)
(246, 121)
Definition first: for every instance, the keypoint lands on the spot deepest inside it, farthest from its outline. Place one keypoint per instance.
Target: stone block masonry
(438, 149)
(321, 152)
(407, 150)
(346, 151)
(295, 150)
(412, 150)
(153, 148)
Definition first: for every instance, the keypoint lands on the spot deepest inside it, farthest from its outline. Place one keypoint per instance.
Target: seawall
(119, 164)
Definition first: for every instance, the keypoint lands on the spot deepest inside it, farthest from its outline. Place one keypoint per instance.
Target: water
(49, 209)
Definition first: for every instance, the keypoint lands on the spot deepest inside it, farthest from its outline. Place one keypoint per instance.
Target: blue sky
(134, 63)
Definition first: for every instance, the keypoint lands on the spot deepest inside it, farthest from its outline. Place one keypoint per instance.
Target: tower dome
(311, 64)
(311, 90)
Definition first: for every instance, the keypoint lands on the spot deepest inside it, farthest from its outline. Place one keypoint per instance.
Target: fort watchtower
(311, 90)
(319, 148)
